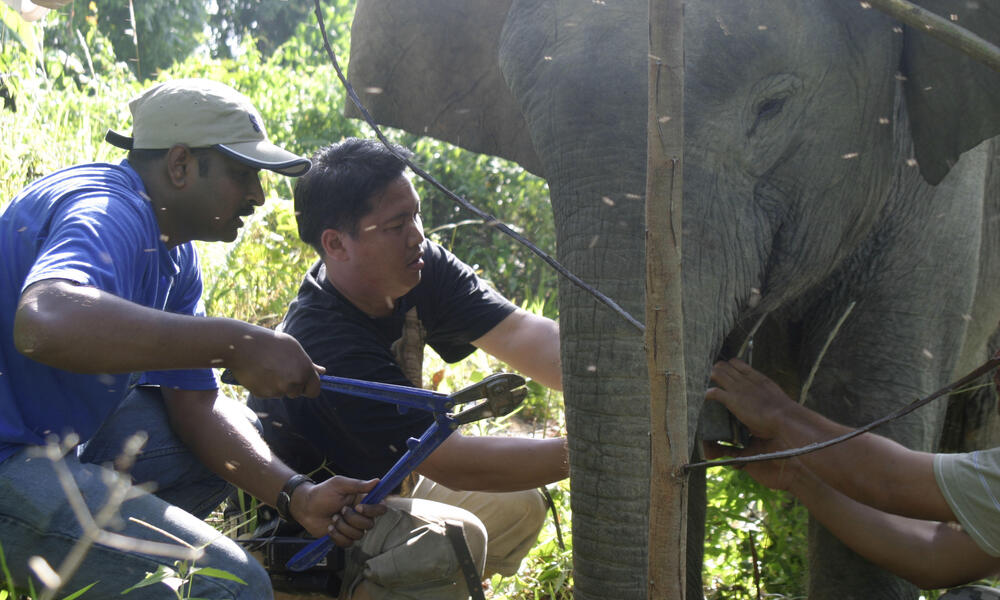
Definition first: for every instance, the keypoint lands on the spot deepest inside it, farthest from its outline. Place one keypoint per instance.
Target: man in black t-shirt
(376, 270)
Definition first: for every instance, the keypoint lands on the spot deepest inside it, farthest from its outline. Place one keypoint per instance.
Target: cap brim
(265, 155)
(116, 139)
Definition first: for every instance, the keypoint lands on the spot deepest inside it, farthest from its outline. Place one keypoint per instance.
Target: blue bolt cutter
(502, 393)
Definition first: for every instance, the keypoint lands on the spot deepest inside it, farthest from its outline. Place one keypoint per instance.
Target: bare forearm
(497, 464)
(226, 442)
(931, 554)
(529, 344)
(86, 330)
(871, 469)
(899, 480)
(217, 431)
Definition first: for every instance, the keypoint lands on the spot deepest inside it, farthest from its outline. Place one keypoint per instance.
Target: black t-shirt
(359, 437)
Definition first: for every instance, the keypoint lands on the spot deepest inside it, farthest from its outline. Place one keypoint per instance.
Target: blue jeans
(36, 519)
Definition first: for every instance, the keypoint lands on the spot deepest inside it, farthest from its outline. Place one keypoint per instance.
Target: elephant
(833, 158)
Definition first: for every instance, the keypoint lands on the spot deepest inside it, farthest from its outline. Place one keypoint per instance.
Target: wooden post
(664, 316)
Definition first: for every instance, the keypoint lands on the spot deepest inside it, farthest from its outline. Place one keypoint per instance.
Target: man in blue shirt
(99, 280)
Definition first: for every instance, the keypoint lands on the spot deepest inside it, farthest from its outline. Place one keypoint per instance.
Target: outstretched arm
(930, 554)
(83, 329)
(529, 343)
(496, 464)
(878, 497)
(87, 330)
(228, 444)
(869, 468)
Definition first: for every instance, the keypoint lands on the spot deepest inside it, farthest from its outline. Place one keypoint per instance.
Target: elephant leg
(863, 378)
(913, 285)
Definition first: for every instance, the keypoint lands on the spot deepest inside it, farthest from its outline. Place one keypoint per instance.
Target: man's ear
(179, 163)
(333, 244)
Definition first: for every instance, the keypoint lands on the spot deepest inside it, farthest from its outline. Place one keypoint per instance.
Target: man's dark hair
(336, 192)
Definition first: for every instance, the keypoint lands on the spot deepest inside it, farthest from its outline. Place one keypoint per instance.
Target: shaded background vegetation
(64, 81)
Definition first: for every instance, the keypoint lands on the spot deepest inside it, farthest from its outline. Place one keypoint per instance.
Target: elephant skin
(832, 156)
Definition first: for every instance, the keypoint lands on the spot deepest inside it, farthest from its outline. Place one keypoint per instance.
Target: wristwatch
(285, 496)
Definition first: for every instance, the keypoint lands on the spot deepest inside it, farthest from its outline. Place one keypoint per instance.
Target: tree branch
(942, 29)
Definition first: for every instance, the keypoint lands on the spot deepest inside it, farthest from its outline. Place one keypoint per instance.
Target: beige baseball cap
(205, 114)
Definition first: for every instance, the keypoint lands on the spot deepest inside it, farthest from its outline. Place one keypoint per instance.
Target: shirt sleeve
(970, 483)
(456, 306)
(92, 242)
(185, 299)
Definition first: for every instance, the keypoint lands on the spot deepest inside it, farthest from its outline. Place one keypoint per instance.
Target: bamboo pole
(941, 28)
(664, 317)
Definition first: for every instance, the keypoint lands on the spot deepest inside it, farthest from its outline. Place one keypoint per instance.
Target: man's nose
(256, 195)
(417, 232)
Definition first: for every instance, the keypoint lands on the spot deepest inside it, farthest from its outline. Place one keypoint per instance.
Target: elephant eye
(769, 98)
(770, 108)
(767, 110)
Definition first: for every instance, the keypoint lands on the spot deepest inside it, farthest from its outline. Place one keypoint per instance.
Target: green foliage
(149, 34)
(269, 24)
(14, 29)
(547, 571)
(239, 287)
(153, 35)
(57, 112)
(8, 581)
(80, 592)
(180, 578)
(754, 540)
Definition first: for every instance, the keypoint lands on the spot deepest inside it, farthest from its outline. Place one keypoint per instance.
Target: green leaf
(6, 575)
(79, 592)
(162, 575)
(218, 574)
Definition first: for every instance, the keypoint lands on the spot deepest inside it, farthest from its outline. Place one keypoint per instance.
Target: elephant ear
(431, 67)
(953, 100)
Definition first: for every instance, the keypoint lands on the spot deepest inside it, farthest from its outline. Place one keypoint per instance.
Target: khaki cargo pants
(407, 554)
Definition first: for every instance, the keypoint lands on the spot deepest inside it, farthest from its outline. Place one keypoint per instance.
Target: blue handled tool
(501, 393)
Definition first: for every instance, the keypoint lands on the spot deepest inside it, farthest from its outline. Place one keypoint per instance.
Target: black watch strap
(285, 496)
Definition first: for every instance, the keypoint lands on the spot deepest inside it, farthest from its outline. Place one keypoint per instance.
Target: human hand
(271, 364)
(334, 508)
(765, 409)
(754, 399)
(775, 474)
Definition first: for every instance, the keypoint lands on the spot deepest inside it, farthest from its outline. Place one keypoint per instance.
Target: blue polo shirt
(92, 225)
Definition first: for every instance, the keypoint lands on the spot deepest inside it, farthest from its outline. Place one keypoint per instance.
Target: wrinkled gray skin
(798, 200)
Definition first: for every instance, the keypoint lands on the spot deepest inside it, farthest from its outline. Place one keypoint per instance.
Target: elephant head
(805, 123)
